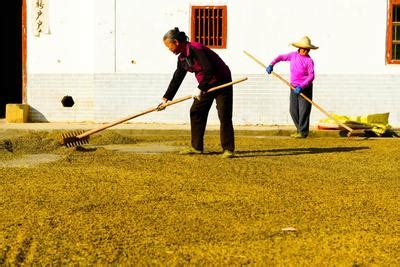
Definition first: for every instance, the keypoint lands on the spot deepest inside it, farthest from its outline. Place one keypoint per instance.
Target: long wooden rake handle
(96, 130)
(303, 95)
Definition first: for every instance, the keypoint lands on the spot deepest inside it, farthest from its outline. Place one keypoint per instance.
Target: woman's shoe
(228, 154)
(298, 135)
(190, 151)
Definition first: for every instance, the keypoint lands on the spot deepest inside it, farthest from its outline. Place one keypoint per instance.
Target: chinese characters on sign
(40, 17)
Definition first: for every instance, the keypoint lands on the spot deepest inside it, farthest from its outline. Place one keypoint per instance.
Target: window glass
(396, 13)
(396, 51)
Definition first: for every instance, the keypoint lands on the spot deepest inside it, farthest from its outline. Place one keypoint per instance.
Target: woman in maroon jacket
(210, 70)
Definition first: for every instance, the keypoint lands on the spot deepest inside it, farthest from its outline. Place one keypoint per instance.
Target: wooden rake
(78, 138)
(350, 130)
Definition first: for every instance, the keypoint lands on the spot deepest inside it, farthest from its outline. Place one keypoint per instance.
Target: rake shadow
(295, 151)
(85, 149)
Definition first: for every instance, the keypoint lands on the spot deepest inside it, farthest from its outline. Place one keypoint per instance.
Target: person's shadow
(295, 151)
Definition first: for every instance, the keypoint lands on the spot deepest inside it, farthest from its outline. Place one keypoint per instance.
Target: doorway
(11, 55)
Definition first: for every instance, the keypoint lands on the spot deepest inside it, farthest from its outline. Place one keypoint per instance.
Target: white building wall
(109, 55)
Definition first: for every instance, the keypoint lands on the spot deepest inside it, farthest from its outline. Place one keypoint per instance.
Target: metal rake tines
(71, 139)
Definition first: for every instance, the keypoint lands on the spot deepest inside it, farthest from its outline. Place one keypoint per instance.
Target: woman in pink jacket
(301, 77)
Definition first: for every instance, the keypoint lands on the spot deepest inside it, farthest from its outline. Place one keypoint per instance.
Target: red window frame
(389, 36)
(209, 25)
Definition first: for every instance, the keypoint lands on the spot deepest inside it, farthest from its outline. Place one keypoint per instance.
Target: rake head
(72, 140)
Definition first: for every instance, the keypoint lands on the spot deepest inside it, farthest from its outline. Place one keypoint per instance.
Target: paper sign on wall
(40, 17)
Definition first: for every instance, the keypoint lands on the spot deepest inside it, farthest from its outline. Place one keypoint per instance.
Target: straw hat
(304, 42)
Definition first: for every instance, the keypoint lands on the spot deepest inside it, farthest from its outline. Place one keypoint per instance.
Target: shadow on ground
(295, 151)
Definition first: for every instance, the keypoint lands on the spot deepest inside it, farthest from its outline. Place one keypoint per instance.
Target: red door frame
(24, 41)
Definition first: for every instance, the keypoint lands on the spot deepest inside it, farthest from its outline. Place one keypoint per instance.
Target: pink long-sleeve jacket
(301, 68)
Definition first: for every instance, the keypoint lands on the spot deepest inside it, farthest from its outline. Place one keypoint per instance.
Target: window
(393, 33)
(209, 25)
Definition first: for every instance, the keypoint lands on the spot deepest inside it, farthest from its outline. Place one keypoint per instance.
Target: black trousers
(199, 114)
(300, 109)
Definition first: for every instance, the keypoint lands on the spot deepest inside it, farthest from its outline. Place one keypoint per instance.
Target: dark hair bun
(176, 34)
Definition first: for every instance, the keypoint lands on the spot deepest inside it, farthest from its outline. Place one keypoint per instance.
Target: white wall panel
(109, 55)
